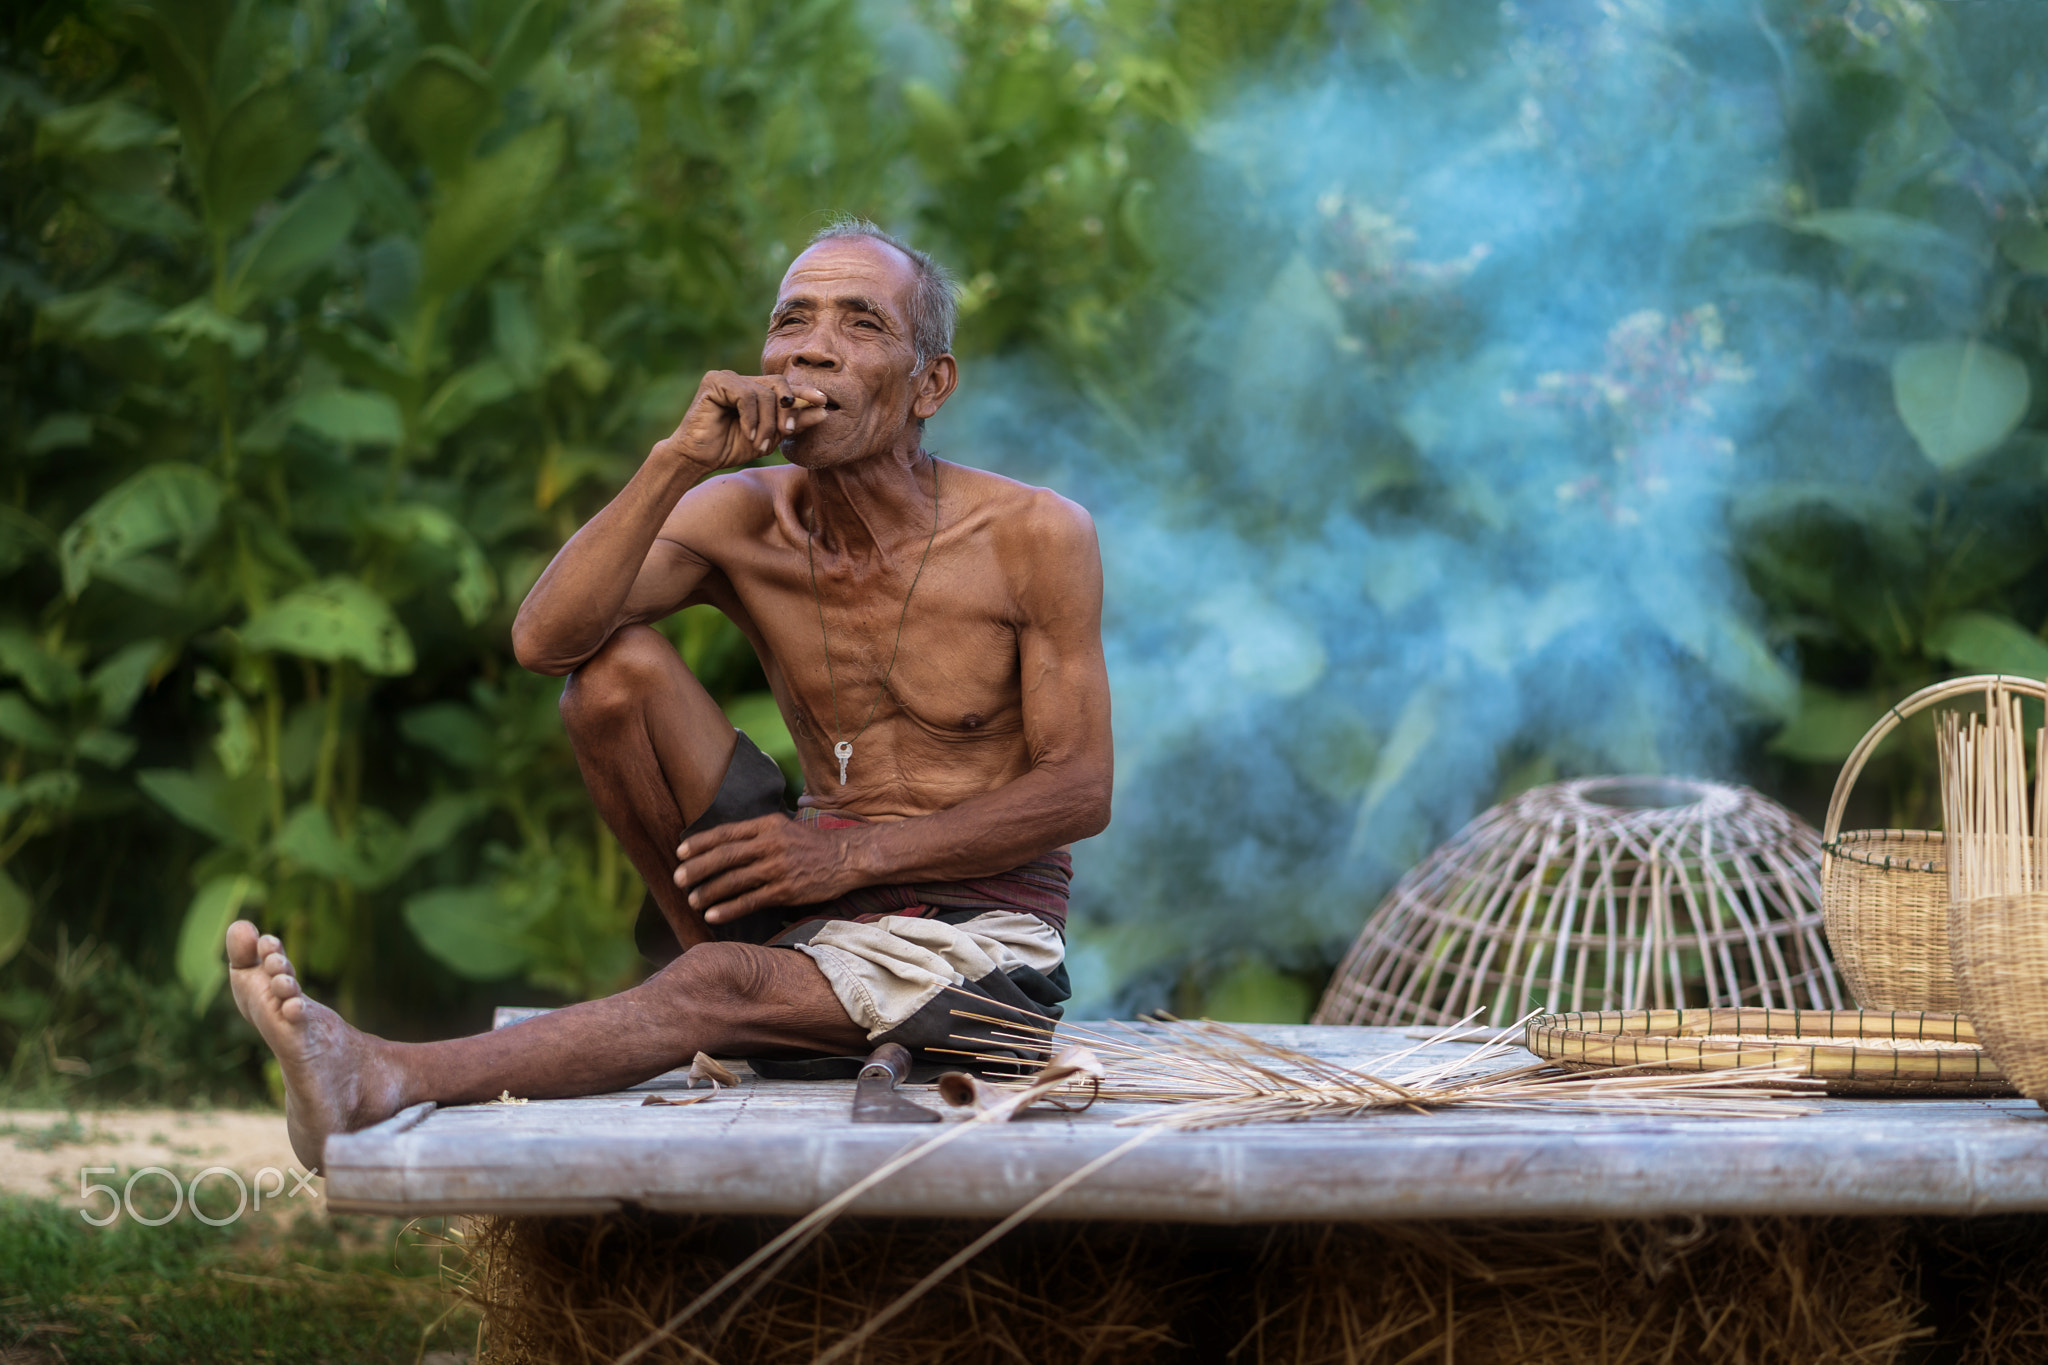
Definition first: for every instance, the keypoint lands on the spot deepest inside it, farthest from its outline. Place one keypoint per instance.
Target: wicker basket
(1885, 891)
(1598, 893)
(1857, 1052)
(2000, 950)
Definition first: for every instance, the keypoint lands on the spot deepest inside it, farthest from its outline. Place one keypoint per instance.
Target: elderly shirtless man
(932, 634)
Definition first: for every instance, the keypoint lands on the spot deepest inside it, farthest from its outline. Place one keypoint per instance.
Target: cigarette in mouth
(802, 403)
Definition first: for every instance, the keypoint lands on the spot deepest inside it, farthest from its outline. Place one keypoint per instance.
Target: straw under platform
(1818, 1291)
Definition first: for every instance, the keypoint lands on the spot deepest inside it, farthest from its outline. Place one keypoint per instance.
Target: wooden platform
(784, 1147)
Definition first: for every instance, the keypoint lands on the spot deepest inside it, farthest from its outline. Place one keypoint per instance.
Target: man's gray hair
(933, 310)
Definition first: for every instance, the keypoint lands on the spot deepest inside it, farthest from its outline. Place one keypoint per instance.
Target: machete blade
(875, 1101)
(874, 1091)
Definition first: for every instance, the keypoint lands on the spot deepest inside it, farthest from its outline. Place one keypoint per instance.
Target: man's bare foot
(336, 1079)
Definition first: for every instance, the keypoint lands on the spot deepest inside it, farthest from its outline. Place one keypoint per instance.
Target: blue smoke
(1427, 491)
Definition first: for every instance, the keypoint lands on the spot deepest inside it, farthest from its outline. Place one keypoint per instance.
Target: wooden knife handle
(891, 1059)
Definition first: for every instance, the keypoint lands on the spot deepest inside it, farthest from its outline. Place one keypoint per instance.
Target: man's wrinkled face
(842, 325)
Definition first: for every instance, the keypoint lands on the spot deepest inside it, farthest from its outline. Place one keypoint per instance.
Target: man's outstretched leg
(728, 999)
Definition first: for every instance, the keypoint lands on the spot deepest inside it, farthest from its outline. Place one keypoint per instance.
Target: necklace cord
(817, 599)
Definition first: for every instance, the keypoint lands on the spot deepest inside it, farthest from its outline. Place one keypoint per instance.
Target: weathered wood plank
(784, 1147)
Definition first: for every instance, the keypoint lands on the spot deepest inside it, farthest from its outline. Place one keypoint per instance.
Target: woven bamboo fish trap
(1604, 893)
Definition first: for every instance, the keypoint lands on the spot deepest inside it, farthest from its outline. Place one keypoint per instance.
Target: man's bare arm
(617, 569)
(735, 869)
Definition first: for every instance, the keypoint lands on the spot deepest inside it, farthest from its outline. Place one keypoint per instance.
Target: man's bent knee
(748, 996)
(616, 682)
(730, 976)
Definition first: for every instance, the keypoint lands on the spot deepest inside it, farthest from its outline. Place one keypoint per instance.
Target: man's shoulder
(733, 500)
(1012, 507)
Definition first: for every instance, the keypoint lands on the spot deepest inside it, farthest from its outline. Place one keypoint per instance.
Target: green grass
(270, 1288)
(65, 1131)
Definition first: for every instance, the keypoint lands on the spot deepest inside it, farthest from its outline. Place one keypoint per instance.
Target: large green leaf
(51, 680)
(337, 618)
(22, 724)
(228, 808)
(523, 41)
(96, 129)
(350, 417)
(359, 356)
(59, 431)
(470, 389)
(470, 929)
(20, 536)
(374, 852)
(444, 101)
(15, 911)
(2027, 248)
(199, 320)
(202, 958)
(101, 314)
(453, 731)
(304, 233)
(1990, 643)
(120, 678)
(108, 748)
(52, 789)
(1960, 399)
(1829, 725)
(516, 334)
(163, 503)
(1910, 246)
(260, 145)
(440, 819)
(487, 208)
(181, 80)
(475, 587)
(148, 213)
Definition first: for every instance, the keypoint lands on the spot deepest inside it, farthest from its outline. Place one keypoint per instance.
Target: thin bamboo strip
(1214, 1075)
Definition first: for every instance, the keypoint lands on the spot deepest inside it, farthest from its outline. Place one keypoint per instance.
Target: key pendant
(843, 751)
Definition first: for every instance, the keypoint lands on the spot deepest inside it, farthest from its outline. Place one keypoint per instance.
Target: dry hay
(1753, 1290)
(1987, 1285)
(1797, 1290)
(583, 1290)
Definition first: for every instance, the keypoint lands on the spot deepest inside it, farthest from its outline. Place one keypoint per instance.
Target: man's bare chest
(937, 647)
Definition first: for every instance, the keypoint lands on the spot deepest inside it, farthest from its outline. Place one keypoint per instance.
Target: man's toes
(293, 1009)
(284, 987)
(243, 945)
(277, 964)
(268, 944)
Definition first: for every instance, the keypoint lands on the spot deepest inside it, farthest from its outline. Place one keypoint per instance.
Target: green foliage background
(325, 323)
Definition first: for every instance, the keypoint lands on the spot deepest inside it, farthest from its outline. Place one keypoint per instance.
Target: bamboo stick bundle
(1994, 829)
(1998, 882)
(1215, 1075)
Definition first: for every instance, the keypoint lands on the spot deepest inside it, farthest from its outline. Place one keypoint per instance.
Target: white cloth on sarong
(886, 970)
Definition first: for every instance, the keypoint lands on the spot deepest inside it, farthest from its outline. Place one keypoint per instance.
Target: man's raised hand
(735, 419)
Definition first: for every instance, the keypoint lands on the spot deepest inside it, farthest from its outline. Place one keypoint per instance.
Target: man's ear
(935, 384)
